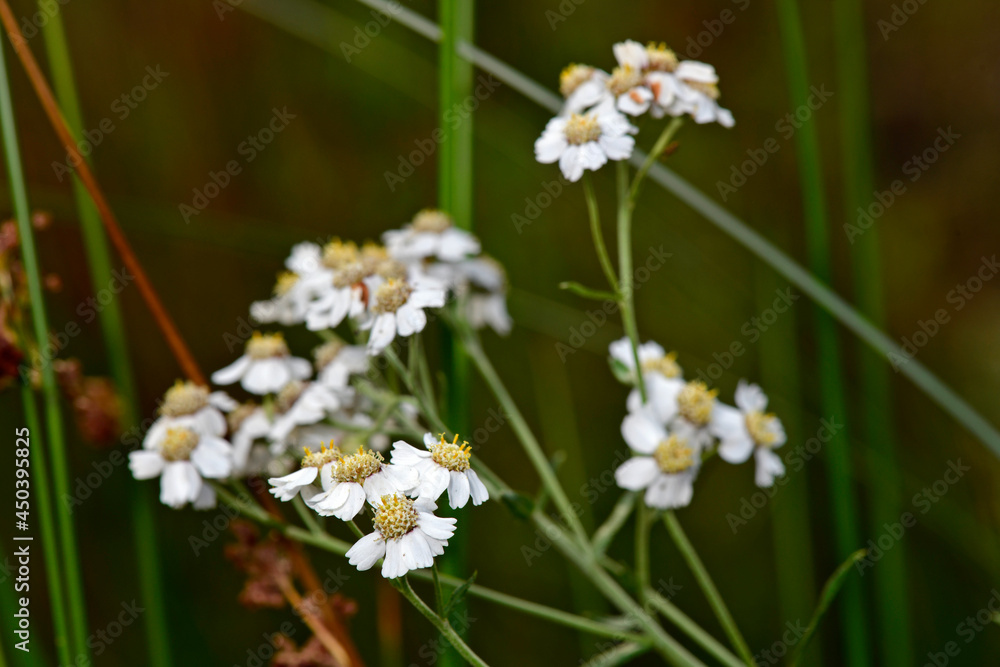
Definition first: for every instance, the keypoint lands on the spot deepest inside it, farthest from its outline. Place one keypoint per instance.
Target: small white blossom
(751, 430)
(407, 534)
(336, 362)
(398, 308)
(302, 481)
(358, 477)
(652, 358)
(431, 234)
(266, 366)
(182, 458)
(666, 464)
(586, 141)
(443, 466)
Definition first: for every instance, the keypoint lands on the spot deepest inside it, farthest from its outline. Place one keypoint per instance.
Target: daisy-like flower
(751, 430)
(287, 306)
(192, 405)
(183, 458)
(689, 405)
(666, 465)
(336, 362)
(652, 359)
(302, 481)
(697, 94)
(397, 307)
(301, 404)
(249, 426)
(407, 535)
(443, 466)
(265, 367)
(353, 479)
(432, 233)
(583, 141)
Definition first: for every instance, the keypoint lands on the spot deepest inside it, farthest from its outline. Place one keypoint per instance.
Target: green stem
(684, 623)
(642, 528)
(50, 390)
(626, 282)
(307, 516)
(438, 591)
(594, 213)
(607, 530)
(708, 587)
(444, 627)
(661, 145)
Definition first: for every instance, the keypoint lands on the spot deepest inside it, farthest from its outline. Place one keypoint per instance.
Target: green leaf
(458, 595)
(587, 292)
(519, 504)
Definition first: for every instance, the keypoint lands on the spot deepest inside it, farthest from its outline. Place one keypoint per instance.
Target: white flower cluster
(593, 126)
(681, 422)
(382, 291)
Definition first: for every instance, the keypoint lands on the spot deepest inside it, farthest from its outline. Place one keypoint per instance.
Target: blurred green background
(325, 175)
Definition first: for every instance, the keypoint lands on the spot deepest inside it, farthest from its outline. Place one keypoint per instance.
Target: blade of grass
(829, 592)
(455, 197)
(69, 560)
(116, 344)
(833, 399)
(891, 578)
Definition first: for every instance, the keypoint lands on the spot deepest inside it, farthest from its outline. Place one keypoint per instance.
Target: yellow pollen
(760, 427)
(665, 365)
(321, 458)
(390, 269)
(395, 517)
(624, 79)
(337, 254)
(351, 274)
(357, 467)
(582, 129)
(327, 352)
(451, 455)
(184, 398)
(573, 77)
(391, 295)
(431, 220)
(661, 58)
(695, 402)
(178, 444)
(373, 254)
(673, 455)
(263, 346)
(286, 280)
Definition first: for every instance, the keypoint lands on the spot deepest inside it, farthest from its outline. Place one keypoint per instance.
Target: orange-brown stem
(315, 624)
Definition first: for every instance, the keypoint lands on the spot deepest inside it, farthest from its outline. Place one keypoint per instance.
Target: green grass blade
(829, 592)
(50, 390)
(886, 498)
(832, 392)
(116, 343)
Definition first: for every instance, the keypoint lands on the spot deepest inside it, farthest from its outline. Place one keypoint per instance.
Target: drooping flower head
(265, 367)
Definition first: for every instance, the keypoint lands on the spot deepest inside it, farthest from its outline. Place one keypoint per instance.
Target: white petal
(410, 320)
(206, 498)
(736, 449)
(637, 473)
(393, 565)
(438, 527)
(285, 488)
(750, 397)
(383, 331)
(366, 551)
(671, 491)
(145, 464)
(641, 433)
(458, 490)
(406, 454)
(769, 466)
(213, 457)
(232, 372)
(476, 487)
(179, 484)
(266, 376)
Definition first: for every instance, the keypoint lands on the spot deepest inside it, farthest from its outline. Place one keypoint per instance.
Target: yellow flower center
(395, 517)
(573, 77)
(178, 444)
(760, 427)
(451, 455)
(391, 295)
(624, 79)
(321, 458)
(665, 365)
(337, 254)
(351, 274)
(286, 280)
(695, 402)
(327, 352)
(673, 455)
(357, 467)
(431, 220)
(184, 398)
(661, 59)
(582, 129)
(263, 346)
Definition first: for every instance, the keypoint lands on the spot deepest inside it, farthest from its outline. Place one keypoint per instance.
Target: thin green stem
(684, 623)
(50, 390)
(594, 213)
(307, 516)
(708, 587)
(626, 282)
(444, 627)
(438, 591)
(661, 145)
(642, 529)
(607, 530)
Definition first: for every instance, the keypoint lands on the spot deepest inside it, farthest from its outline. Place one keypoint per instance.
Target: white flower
(288, 305)
(355, 478)
(302, 480)
(489, 310)
(431, 234)
(751, 430)
(585, 141)
(443, 466)
(407, 535)
(696, 93)
(689, 405)
(182, 457)
(336, 362)
(300, 404)
(265, 367)
(666, 465)
(248, 424)
(397, 306)
(191, 405)
(652, 358)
